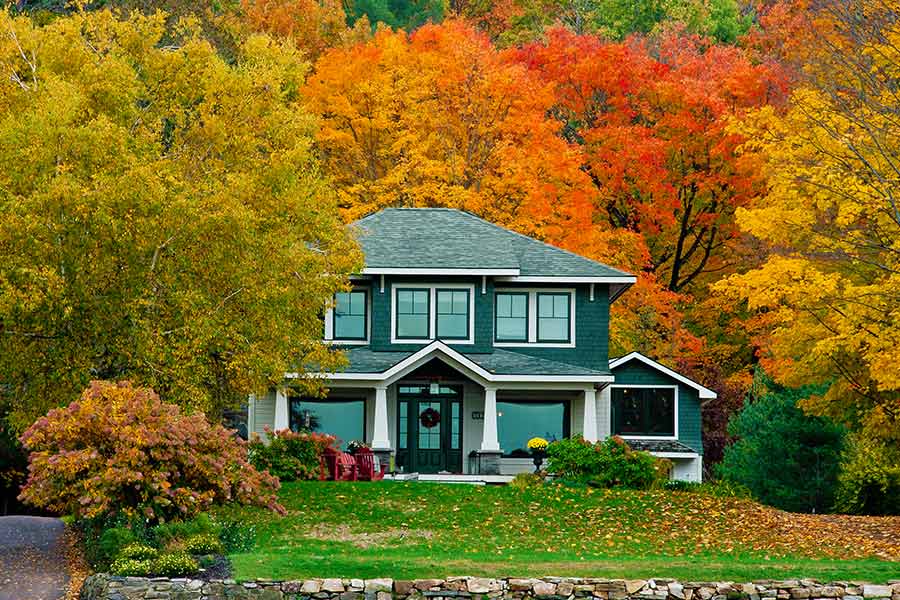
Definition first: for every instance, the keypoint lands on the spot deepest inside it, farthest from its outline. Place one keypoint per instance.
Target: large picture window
(553, 317)
(452, 314)
(344, 419)
(518, 422)
(643, 411)
(511, 317)
(350, 315)
(412, 313)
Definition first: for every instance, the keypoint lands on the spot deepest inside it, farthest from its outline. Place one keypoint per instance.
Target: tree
(519, 21)
(398, 14)
(786, 458)
(314, 25)
(163, 218)
(653, 122)
(121, 451)
(826, 303)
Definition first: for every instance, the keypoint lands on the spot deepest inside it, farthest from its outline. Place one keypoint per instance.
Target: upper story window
(644, 411)
(534, 316)
(553, 317)
(350, 315)
(511, 317)
(413, 313)
(452, 314)
(424, 312)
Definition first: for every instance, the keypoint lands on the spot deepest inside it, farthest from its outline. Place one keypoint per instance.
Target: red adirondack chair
(338, 466)
(365, 466)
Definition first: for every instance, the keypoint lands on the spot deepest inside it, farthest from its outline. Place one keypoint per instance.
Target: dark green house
(466, 339)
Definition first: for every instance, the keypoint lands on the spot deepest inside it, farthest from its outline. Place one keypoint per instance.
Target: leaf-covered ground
(406, 530)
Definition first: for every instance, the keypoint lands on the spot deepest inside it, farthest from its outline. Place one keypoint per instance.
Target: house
(465, 340)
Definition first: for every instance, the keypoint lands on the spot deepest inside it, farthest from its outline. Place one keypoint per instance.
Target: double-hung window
(452, 314)
(413, 313)
(350, 316)
(511, 317)
(644, 411)
(553, 319)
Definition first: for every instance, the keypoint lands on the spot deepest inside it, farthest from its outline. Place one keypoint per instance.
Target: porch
(439, 412)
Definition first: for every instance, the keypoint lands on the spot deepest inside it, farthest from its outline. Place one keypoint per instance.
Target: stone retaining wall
(106, 587)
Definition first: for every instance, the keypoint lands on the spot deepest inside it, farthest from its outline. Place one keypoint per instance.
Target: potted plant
(355, 446)
(538, 448)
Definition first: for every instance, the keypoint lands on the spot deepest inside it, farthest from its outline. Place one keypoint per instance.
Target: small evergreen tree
(786, 458)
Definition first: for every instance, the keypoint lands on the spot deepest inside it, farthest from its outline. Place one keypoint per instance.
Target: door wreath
(429, 418)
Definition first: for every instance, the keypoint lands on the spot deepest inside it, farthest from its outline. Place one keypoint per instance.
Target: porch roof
(499, 362)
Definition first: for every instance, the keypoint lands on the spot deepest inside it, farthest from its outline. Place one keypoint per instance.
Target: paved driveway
(32, 562)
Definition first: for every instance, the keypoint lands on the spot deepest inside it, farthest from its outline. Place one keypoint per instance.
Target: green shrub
(289, 455)
(174, 564)
(204, 543)
(129, 567)
(524, 481)
(869, 482)
(608, 463)
(104, 546)
(138, 552)
(166, 533)
(236, 536)
(786, 458)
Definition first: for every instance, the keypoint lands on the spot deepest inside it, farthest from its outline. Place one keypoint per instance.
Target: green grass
(420, 530)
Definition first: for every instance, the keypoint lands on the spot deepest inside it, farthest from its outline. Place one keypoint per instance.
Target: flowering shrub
(205, 543)
(537, 443)
(608, 463)
(357, 445)
(138, 552)
(121, 450)
(289, 455)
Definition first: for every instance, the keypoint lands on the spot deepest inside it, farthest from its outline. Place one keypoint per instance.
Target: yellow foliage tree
(827, 301)
(162, 217)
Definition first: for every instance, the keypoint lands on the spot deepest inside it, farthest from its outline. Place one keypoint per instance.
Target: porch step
(452, 478)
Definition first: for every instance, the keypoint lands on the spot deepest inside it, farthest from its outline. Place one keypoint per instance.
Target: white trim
(432, 311)
(647, 386)
(684, 455)
(458, 361)
(542, 279)
(532, 318)
(501, 272)
(704, 392)
(329, 320)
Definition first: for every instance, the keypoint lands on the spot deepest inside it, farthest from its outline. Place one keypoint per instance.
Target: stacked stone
(105, 587)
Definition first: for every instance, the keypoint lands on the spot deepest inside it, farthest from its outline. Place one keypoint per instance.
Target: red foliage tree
(121, 450)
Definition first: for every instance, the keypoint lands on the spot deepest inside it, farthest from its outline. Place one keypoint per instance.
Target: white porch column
(281, 410)
(589, 424)
(380, 437)
(489, 441)
(604, 407)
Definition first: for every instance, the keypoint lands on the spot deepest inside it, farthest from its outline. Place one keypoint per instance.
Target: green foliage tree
(398, 14)
(786, 458)
(869, 483)
(120, 451)
(162, 216)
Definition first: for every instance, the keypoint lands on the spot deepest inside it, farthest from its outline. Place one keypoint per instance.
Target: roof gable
(702, 391)
(431, 239)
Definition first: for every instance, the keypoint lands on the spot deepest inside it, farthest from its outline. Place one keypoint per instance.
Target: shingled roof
(444, 238)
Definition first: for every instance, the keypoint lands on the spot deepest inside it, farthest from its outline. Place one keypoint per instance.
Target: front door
(430, 428)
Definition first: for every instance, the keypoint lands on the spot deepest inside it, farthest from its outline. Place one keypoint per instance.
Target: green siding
(591, 323)
(689, 417)
(591, 330)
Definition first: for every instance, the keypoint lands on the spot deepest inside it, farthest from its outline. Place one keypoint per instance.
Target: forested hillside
(741, 158)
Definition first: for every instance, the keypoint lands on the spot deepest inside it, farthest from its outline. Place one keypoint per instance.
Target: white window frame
(612, 425)
(532, 319)
(329, 320)
(432, 312)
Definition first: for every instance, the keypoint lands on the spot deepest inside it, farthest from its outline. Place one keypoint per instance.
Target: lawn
(421, 530)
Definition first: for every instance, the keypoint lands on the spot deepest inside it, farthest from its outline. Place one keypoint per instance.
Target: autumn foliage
(120, 450)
